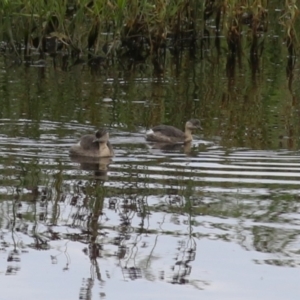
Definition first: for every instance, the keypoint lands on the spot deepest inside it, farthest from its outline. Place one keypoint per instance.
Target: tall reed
(138, 27)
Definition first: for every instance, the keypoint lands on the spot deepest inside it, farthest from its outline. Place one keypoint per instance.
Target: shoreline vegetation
(109, 31)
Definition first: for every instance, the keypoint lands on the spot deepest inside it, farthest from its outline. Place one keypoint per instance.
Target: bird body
(93, 145)
(171, 134)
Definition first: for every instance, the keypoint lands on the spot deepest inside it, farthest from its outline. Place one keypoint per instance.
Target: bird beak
(98, 140)
(102, 139)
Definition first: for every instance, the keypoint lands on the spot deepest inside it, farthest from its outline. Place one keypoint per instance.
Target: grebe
(93, 145)
(171, 134)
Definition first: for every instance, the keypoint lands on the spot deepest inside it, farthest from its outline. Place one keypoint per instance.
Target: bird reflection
(187, 147)
(97, 164)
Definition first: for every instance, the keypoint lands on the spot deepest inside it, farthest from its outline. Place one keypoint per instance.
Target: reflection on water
(220, 215)
(146, 213)
(187, 148)
(98, 165)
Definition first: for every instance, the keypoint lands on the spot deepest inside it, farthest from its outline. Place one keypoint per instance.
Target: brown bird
(93, 145)
(171, 134)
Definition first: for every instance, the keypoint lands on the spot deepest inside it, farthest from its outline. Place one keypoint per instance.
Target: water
(218, 220)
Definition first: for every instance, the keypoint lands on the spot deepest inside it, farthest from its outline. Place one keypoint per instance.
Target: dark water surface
(218, 221)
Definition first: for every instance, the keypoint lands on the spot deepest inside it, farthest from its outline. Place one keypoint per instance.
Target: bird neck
(102, 146)
(105, 149)
(188, 135)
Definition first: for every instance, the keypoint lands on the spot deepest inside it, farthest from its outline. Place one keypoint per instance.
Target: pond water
(219, 220)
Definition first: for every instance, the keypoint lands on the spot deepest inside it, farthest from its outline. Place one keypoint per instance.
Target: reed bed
(141, 28)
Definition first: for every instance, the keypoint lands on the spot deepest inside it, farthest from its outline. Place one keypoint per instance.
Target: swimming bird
(171, 134)
(93, 145)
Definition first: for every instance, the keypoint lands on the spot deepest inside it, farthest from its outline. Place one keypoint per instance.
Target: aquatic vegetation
(137, 29)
